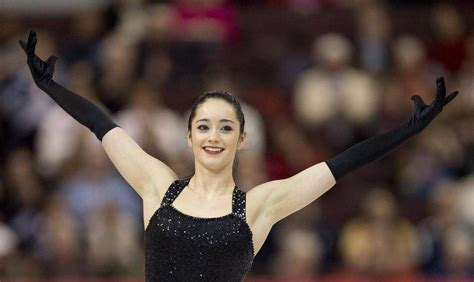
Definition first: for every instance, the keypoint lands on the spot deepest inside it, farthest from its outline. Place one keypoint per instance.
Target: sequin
(181, 247)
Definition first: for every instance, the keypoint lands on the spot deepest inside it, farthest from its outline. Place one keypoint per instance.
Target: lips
(213, 150)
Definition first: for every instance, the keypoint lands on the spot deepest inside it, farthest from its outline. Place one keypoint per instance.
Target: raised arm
(143, 172)
(146, 174)
(283, 197)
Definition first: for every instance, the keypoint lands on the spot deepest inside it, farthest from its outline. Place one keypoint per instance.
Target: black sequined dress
(181, 247)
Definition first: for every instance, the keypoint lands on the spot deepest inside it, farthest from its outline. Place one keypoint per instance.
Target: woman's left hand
(424, 114)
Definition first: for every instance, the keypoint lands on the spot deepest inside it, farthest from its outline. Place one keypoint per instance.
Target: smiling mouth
(213, 150)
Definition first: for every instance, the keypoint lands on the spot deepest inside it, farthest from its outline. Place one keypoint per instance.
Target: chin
(214, 166)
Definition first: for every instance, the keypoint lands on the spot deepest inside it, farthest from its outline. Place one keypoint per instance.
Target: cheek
(197, 140)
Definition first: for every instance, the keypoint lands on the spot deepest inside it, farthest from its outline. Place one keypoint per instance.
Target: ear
(241, 140)
(189, 139)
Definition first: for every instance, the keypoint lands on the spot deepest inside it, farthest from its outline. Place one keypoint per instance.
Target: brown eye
(202, 127)
(227, 128)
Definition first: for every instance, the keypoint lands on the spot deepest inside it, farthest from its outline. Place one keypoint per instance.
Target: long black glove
(378, 146)
(81, 109)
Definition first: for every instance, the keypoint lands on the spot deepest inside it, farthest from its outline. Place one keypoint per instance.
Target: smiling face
(215, 135)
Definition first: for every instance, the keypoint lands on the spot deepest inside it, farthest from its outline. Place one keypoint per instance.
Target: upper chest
(187, 202)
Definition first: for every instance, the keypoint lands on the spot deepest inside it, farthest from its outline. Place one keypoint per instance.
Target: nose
(214, 136)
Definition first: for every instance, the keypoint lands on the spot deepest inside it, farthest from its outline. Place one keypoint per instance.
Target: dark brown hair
(226, 96)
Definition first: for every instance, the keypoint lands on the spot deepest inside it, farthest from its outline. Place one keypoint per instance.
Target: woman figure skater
(204, 228)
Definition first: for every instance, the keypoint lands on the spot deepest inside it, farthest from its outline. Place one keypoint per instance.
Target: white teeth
(212, 149)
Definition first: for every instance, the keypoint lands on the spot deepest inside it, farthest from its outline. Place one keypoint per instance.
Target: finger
(31, 43)
(31, 35)
(50, 62)
(418, 102)
(440, 89)
(450, 97)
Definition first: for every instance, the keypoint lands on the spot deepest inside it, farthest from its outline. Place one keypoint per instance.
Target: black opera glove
(81, 109)
(41, 71)
(378, 146)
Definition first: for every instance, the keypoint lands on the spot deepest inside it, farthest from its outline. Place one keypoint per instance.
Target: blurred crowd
(313, 77)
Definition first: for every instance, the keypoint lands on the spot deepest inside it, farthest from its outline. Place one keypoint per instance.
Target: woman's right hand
(41, 71)
(424, 114)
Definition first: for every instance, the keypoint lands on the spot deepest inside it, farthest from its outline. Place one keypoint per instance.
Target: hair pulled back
(226, 96)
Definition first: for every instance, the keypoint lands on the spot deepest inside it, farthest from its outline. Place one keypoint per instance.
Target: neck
(212, 183)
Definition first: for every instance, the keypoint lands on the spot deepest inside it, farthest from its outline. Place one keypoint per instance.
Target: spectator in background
(305, 243)
(59, 247)
(26, 190)
(116, 82)
(440, 253)
(86, 28)
(96, 184)
(458, 249)
(286, 136)
(113, 242)
(373, 37)
(380, 241)
(411, 73)
(24, 215)
(449, 46)
(156, 128)
(300, 254)
(333, 92)
(205, 21)
(198, 30)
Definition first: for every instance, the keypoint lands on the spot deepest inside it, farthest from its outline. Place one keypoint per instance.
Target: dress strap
(238, 203)
(173, 191)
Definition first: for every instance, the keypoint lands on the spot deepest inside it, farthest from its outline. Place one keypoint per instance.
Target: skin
(209, 193)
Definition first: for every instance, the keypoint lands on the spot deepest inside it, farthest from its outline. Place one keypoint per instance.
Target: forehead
(215, 109)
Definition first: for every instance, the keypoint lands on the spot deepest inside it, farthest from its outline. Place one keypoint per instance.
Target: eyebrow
(222, 120)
